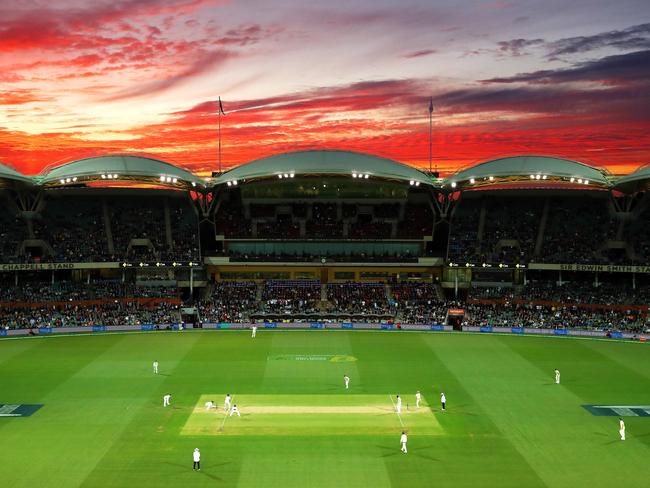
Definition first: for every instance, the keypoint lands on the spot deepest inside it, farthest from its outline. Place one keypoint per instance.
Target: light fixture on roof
(280, 176)
(291, 175)
(532, 177)
(286, 175)
(411, 182)
(103, 176)
(74, 179)
(234, 182)
(194, 183)
(538, 177)
(586, 182)
(354, 175)
(162, 177)
(472, 181)
(115, 176)
(366, 176)
(580, 180)
(544, 177)
(453, 184)
(175, 180)
(229, 183)
(572, 179)
(491, 178)
(62, 181)
(417, 183)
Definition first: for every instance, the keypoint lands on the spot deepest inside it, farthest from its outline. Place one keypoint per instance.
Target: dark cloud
(418, 54)
(517, 47)
(611, 70)
(633, 38)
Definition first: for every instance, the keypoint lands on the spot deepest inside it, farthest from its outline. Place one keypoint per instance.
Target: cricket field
(87, 410)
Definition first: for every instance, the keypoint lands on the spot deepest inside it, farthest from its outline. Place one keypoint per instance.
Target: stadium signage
(619, 410)
(54, 266)
(601, 268)
(18, 410)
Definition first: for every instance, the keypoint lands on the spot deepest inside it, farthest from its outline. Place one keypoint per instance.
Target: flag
(430, 105)
(221, 107)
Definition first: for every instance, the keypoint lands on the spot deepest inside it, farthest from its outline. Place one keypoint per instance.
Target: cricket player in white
(557, 376)
(254, 331)
(155, 367)
(418, 398)
(196, 456)
(403, 440)
(209, 404)
(443, 401)
(398, 405)
(234, 410)
(166, 400)
(226, 403)
(346, 379)
(621, 428)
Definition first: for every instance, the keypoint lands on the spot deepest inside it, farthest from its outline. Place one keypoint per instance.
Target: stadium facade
(329, 217)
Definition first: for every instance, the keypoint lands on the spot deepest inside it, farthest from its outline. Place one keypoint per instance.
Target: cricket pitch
(296, 415)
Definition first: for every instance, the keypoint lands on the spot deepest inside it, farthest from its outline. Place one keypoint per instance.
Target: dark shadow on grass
(389, 451)
(186, 467)
(416, 452)
(613, 442)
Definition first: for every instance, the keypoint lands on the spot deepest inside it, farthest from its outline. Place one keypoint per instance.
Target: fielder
(346, 379)
(253, 331)
(210, 404)
(226, 403)
(155, 367)
(557, 376)
(196, 456)
(234, 410)
(398, 405)
(403, 440)
(166, 400)
(418, 398)
(621, 428)
(443, 401)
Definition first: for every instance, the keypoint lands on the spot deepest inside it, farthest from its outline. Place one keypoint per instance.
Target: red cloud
(20, 97)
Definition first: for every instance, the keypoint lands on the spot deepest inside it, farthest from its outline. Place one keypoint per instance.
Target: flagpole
(430, 138)
(220, 136)
(430, 132)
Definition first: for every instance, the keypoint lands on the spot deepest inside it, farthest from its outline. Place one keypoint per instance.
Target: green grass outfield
(102, 422)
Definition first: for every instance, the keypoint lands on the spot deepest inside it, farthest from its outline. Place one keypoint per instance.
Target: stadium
(479, 285)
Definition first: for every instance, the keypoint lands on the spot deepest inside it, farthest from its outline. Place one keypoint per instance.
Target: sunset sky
(567, 78)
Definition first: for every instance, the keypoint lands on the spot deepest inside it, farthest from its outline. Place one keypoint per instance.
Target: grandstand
(327, 237)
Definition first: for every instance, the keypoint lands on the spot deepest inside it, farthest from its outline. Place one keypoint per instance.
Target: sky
(83, 78)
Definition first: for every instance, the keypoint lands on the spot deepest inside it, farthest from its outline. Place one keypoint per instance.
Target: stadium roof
(637, 181)
(119, 169)
(531, 170)
(8, 173)
(321, 163)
